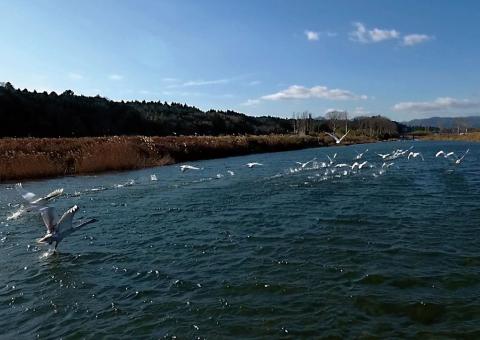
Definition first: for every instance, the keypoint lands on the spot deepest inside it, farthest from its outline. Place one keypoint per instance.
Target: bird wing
(67, 218)
(439, 153)
(333, 136)
(27, 196)
(50, 218)
(53, 194)
(310, 161)
(346, 133)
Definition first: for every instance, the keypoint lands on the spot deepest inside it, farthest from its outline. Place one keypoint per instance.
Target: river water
(270, 251)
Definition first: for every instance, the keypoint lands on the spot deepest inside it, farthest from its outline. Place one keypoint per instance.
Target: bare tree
(335, 118)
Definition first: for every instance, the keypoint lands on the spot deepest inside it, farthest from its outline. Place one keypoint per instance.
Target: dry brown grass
(468, 137)
(22, 158)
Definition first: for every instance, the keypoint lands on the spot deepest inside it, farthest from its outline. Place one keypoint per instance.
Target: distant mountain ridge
(447, 122)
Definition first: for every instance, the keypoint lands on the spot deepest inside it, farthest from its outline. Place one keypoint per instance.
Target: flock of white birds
(60, 227)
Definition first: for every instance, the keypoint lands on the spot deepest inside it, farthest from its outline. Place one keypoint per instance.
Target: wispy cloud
(75, 76)
(333, 110)
(364, 35)
(414, 39)
(439, 104)
(312, 35)
(115, 77)
(254, 82)
(191, 83)
(168, 79)
(302, 92)
(251, 102)
(315, 35)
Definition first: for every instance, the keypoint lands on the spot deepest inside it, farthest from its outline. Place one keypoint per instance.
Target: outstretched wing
(344, 135)
(27, 196)
(53, 194)
(67, 218)
(333, 136)
(50, 218)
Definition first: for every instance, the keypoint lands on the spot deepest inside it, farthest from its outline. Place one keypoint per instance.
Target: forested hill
(24, 113)
(31, 114)
(447, 122)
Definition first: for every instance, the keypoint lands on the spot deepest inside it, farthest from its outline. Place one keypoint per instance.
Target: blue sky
(402, 59)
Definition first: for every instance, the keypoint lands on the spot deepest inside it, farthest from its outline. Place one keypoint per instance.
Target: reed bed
(30, 158)
(467, 137)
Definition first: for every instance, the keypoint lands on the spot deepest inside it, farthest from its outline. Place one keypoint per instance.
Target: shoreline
(40, 158)
(467, 137)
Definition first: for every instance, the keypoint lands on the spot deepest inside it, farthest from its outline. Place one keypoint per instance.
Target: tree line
(25, 113)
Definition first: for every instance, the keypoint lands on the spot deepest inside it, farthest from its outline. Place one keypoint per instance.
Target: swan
(360, 154)
(415, 155)
(253, 164)
(186, 167)
(35, 202)
(337, 140)
(58, 229)
(303, 165)
(459, 160)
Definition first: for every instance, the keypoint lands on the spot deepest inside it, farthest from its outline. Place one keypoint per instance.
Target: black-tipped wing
(67, 218)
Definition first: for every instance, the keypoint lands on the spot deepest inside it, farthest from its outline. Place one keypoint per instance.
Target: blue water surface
(271, 251)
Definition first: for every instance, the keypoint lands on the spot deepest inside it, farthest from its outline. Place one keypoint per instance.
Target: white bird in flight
(303, 165)
(58, 229)
(186, 167)
(415, 155)
(153, 177)
(387, 165)
(444, 154)
(359, 165)
(459, 160)
(383, 155)
(332, 159)
(35, 202)
(253, 164)
(231, 173)
(337, 140)
(360, 154)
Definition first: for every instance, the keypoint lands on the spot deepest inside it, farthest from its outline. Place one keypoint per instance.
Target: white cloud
(201, 83)
(333, 110)
(251, 102)
(254, 82)
(75, 76)
(364, 35)
(439, 104)
(301, 92)
(168, 79)
(312, 35)
(115, 77)
(414, 39)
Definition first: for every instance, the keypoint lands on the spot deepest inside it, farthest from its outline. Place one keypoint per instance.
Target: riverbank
(466, 137)
(34, 158)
